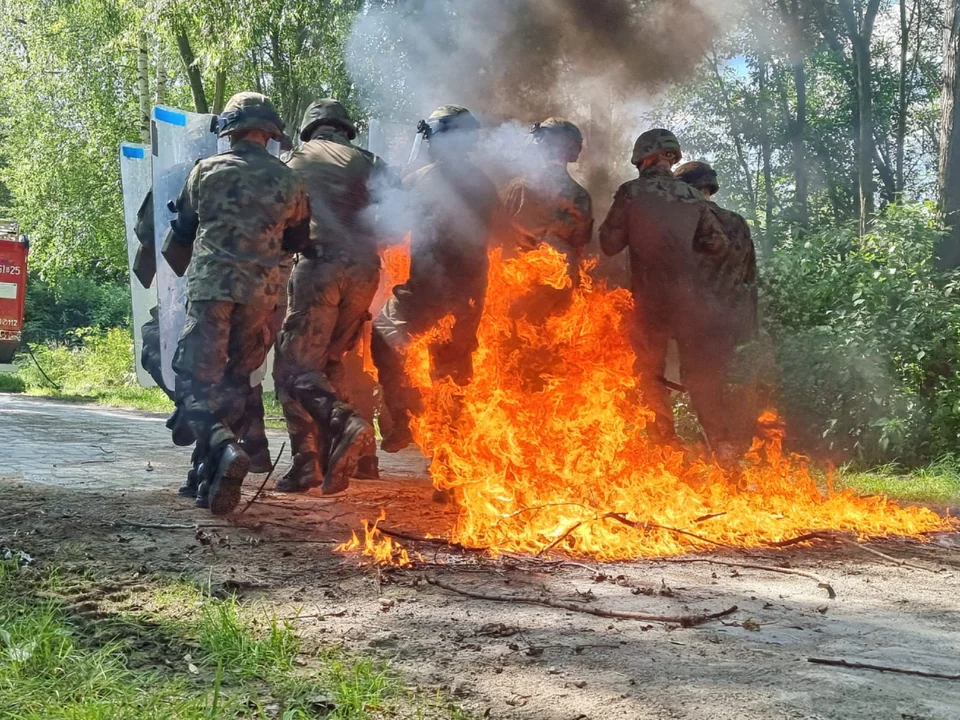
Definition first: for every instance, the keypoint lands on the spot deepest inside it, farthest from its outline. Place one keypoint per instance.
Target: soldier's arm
(296, 235)
(187, 221)
(613, 231)
(710, 238)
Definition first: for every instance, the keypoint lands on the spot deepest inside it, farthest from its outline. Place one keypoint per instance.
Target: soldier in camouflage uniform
(242, 211)
(331, 290)
(456, 206)
(730, 289)
(551, 208)
(670, 231)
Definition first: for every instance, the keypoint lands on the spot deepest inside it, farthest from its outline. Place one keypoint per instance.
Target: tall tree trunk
(143, 88)
(161, 94)
(902, 100)
(219, 91)
(194, 75)
(797, 125)
(949, 176)
(766, 152)
(860, 23)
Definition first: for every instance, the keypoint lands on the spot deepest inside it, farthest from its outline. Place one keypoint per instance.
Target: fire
(376, 545)
(545, 449)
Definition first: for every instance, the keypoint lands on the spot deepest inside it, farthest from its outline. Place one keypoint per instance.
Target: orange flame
(382, 549)
(545, 448)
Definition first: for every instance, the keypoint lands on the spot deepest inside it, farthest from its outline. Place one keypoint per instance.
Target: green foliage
(867, 333)
(57, 311)
(938, 482)
(12, 383)
(66, 89)
(93, 361)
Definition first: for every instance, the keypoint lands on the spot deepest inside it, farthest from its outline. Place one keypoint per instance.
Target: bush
(867, 332)
(55, 312)
(90, 362)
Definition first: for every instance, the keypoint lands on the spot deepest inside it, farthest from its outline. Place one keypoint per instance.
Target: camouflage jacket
(732, 275)
(340, 178)
(670, 231)
(550, 208)
(455, 211)
(248, 211)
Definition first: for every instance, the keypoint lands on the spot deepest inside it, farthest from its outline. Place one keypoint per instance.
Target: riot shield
(136, 180)
(179, 140)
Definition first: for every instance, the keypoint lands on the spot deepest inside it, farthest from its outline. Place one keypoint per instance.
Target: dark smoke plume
(514, 62)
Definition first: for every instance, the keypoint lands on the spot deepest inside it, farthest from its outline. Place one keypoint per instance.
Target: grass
(937, 483)
(174, 653)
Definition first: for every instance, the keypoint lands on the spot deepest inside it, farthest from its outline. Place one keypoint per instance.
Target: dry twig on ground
(821, 583)
(682, 620)
(265, 480)
(881, 668)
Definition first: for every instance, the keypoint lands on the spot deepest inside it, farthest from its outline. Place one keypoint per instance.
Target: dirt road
(81, 485)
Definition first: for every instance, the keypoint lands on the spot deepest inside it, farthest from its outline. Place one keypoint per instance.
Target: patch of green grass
(937, 483)
(219, 658)
(11, 383)
(48, 673)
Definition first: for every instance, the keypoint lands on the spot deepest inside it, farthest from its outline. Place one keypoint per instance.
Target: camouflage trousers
(706, 351)
(402, 318)
(329, 302)
(221, 345)
(150, 353)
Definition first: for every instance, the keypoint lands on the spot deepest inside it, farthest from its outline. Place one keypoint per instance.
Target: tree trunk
(766, 152)
(219, 91)
(902, 101)
(143, 88)
(797, 124)
(161, 94)
(949, 176)
(190, 65)
(860, 24)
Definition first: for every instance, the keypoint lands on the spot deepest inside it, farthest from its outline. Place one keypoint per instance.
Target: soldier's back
(245, 198)
(338, 177)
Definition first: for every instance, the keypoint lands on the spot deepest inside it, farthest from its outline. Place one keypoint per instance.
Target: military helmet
(249, 111)
(446, 118)
(655, 141)
(327, 112)
(698, 175)
(562, 132)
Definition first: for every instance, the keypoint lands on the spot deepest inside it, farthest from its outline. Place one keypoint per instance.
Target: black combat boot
(352, 437)
(368, 468)
(258, 450)
(192, 485)
(183, 435)
(231, 467)
(305, 473)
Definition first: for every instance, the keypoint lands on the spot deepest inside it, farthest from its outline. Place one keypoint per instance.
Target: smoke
(513, 62)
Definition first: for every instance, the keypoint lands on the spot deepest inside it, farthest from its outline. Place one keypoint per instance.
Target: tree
(949, 176)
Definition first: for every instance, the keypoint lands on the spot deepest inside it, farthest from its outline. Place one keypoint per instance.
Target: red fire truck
(13, 284)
